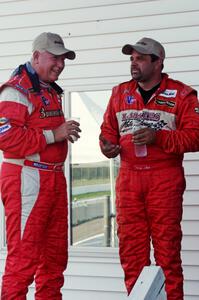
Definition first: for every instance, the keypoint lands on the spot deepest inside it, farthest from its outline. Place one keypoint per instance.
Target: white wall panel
(32, 6)
(190, 227)
(175, 53)
(101, 26)
(98, 11)
(173, 43)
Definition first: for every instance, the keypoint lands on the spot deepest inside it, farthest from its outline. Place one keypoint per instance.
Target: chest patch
(130, 99)
(167, 102)
(45, 101)
(169, 93)
(50, 113)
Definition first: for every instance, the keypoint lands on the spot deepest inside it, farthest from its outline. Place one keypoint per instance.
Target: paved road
(90, 234)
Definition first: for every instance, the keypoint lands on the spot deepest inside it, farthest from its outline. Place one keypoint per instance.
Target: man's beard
(137, 76)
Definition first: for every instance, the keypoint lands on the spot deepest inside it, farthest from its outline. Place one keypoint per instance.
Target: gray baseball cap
(52, 43)
(145, 46)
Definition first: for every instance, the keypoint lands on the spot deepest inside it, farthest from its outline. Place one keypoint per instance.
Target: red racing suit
(149, 190)
(33, 189)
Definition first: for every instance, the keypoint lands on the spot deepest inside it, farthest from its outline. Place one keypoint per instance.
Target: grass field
(82, 182)
(90, 195)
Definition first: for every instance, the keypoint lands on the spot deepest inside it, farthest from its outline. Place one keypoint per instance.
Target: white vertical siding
(96, 30)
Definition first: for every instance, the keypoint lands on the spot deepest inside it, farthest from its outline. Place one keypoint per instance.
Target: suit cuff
(50, 139)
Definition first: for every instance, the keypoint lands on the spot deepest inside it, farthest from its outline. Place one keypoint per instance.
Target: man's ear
(159, 64)
(36, 56)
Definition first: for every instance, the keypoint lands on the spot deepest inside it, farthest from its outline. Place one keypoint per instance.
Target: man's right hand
(65, 130)
(108, 149)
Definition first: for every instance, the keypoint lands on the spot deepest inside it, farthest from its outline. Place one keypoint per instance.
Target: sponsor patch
(50, 113)
(131, 120)
(21, 88)
(45, 101)
(160, 102)
(4, 128)
(40, 165)
(130, 99)
(197, 110)
(163, 102)
(169, 93)
(171, 103)
(159, 125)
(3, 120)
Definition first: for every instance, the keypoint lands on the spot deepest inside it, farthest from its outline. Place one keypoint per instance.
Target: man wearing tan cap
(151, 121)
(34, 139)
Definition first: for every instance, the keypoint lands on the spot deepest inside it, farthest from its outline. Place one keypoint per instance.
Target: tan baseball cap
(145, 46)
(52, 43)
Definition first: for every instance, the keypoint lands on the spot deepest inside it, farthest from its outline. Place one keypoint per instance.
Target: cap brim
(68, 53)
(128, 49)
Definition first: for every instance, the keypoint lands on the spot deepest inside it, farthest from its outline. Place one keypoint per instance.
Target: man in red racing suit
(33, 138)
(149, 189)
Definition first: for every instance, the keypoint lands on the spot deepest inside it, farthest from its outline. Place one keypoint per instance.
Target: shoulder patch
(21, 89)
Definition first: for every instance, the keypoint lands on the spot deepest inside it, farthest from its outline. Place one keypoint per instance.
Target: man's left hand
(144, 136)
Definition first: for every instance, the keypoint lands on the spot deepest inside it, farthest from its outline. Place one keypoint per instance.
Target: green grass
(90, 195)
(81, 182)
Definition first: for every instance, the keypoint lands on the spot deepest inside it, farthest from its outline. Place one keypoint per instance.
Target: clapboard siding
(32, 6)
(129, 10)
(112, 55)
(184, 44)
(110, 68)
(96, 30)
